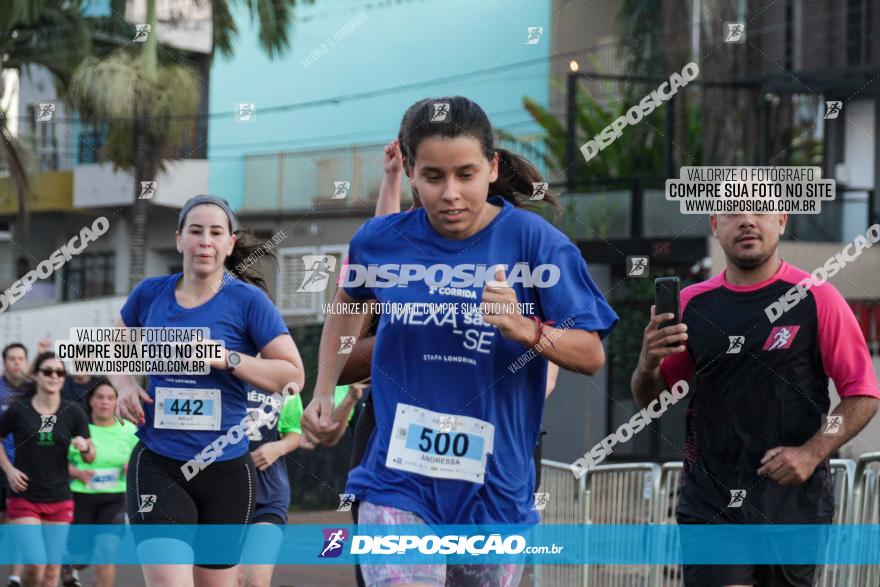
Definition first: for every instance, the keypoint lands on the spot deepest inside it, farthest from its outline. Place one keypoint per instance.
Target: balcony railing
(310, 179)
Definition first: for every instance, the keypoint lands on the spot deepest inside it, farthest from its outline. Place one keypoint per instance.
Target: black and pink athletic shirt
(757, 386)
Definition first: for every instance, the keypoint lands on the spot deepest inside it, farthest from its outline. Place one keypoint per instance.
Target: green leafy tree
(47, 33)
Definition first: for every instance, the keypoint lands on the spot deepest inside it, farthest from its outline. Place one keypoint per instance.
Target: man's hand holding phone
(665, 334)
(659, 343)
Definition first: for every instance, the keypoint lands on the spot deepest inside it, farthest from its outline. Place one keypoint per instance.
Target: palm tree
(150, 108)
(48, 33)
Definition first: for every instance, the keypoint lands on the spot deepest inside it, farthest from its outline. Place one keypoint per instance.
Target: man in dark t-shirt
(758, 427)
(14, 384)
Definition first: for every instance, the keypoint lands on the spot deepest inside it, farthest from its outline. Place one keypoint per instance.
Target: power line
(390, 90)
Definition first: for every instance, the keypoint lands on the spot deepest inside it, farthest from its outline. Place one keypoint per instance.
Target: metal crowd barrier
(567, 505)
(842, 476)
(646, 493)
(866, 510)
(664, 513)
(621, 494)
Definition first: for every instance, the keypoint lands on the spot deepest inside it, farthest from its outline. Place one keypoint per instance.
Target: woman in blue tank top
(476, 295)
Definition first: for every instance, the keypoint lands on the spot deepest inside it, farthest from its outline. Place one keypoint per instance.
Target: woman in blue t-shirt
(172, 478)
(458, 387)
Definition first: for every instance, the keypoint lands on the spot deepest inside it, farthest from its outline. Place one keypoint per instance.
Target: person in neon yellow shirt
(99, 487)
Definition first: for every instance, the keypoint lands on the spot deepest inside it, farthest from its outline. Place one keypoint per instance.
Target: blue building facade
(322, 109)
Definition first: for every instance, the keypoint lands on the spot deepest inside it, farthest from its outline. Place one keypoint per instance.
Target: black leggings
(222, 493)
(99, 508)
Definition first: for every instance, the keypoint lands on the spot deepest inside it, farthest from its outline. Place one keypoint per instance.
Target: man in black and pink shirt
(759, 433)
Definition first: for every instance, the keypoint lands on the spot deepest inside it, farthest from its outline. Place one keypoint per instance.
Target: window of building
(89, 275)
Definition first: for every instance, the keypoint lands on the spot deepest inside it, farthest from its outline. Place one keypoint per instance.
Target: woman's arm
(342, 413)
(359, 362)
(278, 365)
(389, 193)
(76, 473)
(86, 448)
(570, 348)
(317, 420)
(270, 452)
(131, 394)
(18, 481)
(552, 376)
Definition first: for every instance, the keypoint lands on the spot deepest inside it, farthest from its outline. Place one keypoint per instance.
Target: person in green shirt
(99, 487)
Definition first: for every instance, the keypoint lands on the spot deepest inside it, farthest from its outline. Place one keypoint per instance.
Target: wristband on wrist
(540, 333)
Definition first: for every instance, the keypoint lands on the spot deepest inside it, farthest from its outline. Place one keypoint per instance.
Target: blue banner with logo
(545, 544)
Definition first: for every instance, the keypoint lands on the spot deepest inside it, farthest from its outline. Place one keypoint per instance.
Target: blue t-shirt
(273, 486)
(241, 316)
(457, 365)
(9, 393)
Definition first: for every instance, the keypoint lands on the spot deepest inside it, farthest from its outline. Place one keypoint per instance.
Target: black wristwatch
(233, 360)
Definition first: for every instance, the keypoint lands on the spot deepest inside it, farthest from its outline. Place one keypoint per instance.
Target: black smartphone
(666, 299)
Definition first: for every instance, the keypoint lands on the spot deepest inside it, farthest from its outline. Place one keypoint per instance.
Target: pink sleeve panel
(845, 355)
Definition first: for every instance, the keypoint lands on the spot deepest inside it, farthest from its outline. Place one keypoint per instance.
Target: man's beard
(750, 263)
(16, 378)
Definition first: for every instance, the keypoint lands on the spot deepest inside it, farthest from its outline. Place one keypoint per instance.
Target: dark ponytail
(242, 262)
(516, 175)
